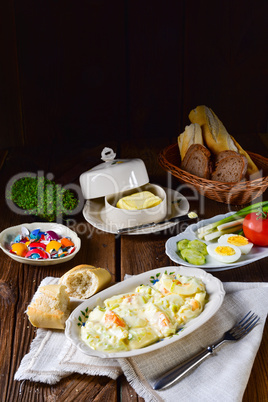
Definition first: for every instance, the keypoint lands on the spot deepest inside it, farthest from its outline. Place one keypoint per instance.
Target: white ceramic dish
(95, 213)
(7, 235)
(125, 218)
(211, 264)
(113, 176)
(214, 288)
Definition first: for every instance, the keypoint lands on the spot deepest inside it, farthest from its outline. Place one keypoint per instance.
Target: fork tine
(244, 318)
(250, 326)
(243, 321)
(245, 325)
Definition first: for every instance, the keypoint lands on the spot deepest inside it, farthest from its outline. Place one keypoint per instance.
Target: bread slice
(215, 135)
(51, 307)
(84, 281)
(191, 135)
(197, 161)
(231, 167)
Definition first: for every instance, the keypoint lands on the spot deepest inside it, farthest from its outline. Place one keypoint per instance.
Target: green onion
(218, 233)
(230, 224)
(234, 219)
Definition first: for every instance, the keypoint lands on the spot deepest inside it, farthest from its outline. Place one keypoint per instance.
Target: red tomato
(255, 228)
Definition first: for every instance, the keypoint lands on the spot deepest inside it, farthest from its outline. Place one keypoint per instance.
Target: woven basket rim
(213, 183)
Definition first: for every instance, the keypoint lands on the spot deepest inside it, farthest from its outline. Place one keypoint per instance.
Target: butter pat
(137, 201)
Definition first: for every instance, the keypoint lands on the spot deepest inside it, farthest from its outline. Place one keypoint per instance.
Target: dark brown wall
(93, 70)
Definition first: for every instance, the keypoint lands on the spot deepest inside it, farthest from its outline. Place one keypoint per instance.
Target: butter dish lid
(113, 176)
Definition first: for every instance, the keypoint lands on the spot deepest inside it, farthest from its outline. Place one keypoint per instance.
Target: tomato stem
(261, 214)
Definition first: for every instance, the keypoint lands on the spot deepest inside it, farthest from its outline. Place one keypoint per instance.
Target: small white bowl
(9, 234)
(125, 218)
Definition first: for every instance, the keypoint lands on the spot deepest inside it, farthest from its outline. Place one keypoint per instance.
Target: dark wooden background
(87, 71)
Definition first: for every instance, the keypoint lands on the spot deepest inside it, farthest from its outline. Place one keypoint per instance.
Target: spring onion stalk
(212, 227)
(218, 233)
(230, 224)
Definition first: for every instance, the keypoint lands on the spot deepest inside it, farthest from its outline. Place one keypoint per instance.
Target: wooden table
(125, 255)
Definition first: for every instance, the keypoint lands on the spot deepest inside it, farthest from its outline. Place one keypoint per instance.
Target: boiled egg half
(223, 253)
(236, 240)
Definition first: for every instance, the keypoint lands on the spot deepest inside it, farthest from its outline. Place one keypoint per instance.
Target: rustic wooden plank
(155, 67)
(72, 70)
(224, 63)
(147, 252)
(10, 99)
(256, 389)
(18, 284)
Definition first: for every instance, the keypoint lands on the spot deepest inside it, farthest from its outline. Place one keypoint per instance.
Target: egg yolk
(224, 250)
(237, 240)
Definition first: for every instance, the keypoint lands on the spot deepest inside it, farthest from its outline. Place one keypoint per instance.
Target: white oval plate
(214, 288)
(94, 213)
(211, 264)
(7, 235)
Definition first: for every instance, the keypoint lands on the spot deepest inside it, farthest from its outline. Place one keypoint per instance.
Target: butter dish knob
(107, 154)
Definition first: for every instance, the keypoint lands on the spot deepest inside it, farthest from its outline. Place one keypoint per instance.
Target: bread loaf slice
(197, 161)
(191, 135)
(84, 281)
(215, 135)
(51, 307)
(230, 167)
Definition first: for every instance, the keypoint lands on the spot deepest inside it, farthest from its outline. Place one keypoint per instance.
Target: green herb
(42, 197)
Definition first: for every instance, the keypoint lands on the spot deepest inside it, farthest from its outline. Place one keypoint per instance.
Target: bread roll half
(50, 308)
(84, 281)
(191, 135)
(216, 136)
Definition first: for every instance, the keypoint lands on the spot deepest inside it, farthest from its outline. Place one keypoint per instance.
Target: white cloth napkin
(221, 377)
(52, 357)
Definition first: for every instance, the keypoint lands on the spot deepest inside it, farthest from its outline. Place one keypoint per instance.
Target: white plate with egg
(96, 214)
(214, 288)
(211, 264)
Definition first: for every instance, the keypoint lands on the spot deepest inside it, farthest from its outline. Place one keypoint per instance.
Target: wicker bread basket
(229, 193)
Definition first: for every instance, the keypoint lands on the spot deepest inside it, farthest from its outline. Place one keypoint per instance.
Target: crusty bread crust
(51, 307)
(83, 281)
(191, 135)
(197, 161)
(231, 167)
(215, 135)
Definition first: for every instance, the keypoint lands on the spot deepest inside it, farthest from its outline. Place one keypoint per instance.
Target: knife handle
(175, 374)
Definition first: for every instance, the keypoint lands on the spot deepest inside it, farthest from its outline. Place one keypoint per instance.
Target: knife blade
(182, 218)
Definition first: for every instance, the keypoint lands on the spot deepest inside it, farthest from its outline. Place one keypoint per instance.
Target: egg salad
(150, 313)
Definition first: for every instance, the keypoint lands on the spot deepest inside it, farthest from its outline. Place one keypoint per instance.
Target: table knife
(182, 218)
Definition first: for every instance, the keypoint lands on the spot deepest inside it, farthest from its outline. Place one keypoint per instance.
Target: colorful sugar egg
(36, 245)
(66, 242)
(51, 235)
(37, 254)
(53, 245)
(20, 249)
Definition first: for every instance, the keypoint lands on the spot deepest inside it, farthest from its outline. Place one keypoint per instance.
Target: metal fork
(242, 328)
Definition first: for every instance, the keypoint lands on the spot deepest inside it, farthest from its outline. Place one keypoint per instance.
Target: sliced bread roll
(191, 135)
(51, 307)
(84, 281)
(197, 161)
(215, 135)
(231, 167)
